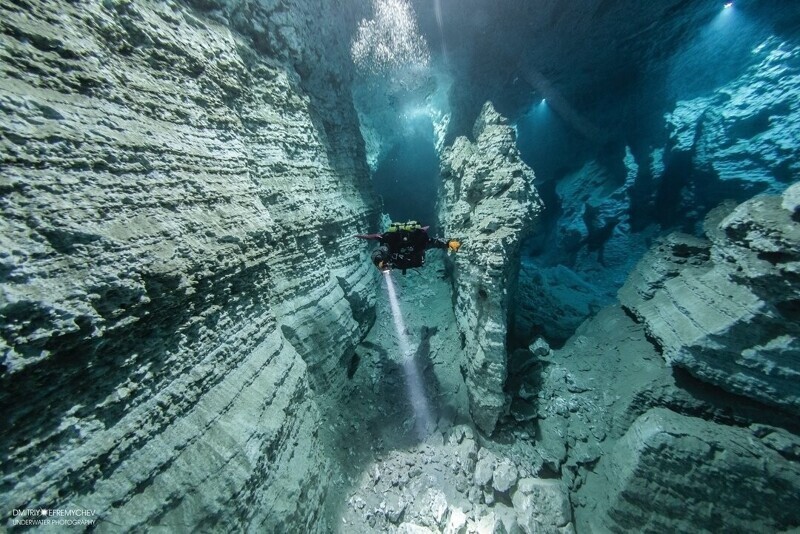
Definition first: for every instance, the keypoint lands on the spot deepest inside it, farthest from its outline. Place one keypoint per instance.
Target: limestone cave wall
(179, 281)
(676, 409)
(731, 143)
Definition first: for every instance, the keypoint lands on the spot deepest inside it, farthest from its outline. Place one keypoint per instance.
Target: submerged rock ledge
(727, 309)
(690, 445)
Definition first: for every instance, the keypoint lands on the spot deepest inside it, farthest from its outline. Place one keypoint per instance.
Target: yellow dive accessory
(408, 226)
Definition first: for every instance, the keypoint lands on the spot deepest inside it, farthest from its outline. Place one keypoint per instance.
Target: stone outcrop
(742, 138)
(666, 465)
(488, 202)
(176, 261)
(688, 446)
(727, 309)
(642, 447)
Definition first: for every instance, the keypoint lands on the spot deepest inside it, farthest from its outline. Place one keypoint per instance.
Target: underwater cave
(404, 266)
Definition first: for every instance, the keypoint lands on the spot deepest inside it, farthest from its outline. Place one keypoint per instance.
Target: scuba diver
(403, 246)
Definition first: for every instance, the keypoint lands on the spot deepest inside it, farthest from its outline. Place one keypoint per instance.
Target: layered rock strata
(642, 447)
(666, 461)
(647, 446)
(731, 319)
(176, 266)
(488, 202)
(742, 138)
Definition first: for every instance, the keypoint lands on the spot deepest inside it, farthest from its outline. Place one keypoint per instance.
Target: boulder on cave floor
(726, 309)
(672, 473)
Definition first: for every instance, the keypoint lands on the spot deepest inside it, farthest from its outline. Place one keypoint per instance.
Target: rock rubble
(452, 484)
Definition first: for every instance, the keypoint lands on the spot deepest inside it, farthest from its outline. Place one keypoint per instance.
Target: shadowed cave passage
(407, 179)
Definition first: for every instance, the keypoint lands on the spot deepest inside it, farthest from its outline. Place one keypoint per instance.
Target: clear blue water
(408, 177)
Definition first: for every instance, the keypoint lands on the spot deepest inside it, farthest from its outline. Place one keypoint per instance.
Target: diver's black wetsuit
(404, 245)
(406, 249)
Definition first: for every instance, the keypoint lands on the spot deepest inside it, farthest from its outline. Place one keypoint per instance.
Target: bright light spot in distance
(417, 112)
(728, 5)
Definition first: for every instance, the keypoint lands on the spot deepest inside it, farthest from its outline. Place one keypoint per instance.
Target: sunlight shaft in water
(414, 386)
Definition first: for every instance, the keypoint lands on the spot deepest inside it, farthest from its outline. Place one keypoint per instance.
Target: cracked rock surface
(730, 320)
(489, 202)
(163, 186)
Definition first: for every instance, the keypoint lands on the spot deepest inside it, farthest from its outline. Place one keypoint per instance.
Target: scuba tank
(409, 226)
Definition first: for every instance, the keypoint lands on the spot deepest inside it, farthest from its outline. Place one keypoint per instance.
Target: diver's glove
(453, 245)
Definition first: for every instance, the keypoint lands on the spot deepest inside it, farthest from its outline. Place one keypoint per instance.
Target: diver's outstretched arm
(435, 242)
(371, 237)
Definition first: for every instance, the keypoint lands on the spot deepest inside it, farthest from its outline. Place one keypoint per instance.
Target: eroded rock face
(735, 141)
(489, 202)
(647, 446)
(667, 463)
(586, 256)
(742, 138)
(177, 271)
(730, 320)
(591, 399)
